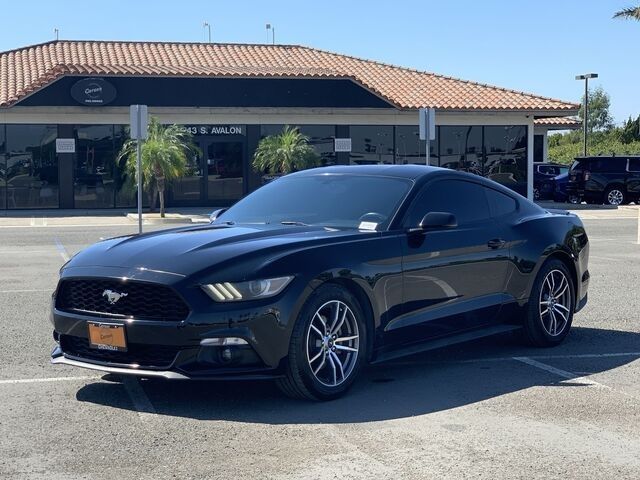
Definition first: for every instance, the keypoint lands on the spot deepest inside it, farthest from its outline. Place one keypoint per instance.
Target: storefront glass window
(410, 149)
(506, 156)
(3, 169)
(124, 184)
(94, 167)
(31, 166)
(224, 171)
(371, 145)
(321, 138)
(461, 148)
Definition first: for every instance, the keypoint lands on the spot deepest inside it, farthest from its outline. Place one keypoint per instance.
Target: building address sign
(214, 129)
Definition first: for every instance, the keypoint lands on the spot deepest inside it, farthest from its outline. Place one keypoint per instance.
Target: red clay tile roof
(558, 122)
(28, 69)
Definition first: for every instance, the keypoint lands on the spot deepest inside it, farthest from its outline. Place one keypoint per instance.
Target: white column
(530, 159)
(545, 146)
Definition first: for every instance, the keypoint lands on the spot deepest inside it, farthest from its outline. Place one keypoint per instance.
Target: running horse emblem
(112, 296)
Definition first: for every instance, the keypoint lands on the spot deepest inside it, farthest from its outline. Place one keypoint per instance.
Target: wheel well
(616, 185)
(364, 302)
(568, 262)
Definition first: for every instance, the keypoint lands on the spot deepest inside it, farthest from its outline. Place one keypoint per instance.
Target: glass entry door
(224, 161)
(188, 190)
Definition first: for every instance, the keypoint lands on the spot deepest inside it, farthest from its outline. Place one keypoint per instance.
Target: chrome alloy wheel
(555, 302)
(333, 343)
(615, 197)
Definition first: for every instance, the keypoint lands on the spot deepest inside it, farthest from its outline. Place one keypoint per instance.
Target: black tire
(538, 329)
(299, 380)
(617, 192)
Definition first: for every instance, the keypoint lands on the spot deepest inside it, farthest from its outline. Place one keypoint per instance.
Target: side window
(500, 203)
(466, 200)
(634, 164)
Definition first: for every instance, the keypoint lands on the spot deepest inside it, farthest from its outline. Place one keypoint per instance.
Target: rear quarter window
(634, 164)
(499, 203)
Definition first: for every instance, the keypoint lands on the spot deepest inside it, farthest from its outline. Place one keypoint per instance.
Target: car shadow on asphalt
(417, 385)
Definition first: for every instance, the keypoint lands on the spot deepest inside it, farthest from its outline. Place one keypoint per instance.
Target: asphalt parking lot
(489, 409)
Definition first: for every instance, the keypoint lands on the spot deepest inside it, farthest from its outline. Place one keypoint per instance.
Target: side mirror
(216, 213)
(436, 221)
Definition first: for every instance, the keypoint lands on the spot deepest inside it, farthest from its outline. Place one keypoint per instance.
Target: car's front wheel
(551, 305)
(327, 347)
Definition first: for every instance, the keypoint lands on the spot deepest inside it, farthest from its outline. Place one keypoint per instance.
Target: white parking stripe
(559, 372)
(141, 402)
(46, 380)
(28, 290)
(63, 251)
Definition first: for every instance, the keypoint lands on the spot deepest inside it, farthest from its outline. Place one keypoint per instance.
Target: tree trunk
(161, 187)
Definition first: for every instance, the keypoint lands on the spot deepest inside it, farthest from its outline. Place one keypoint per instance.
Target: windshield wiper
(294, 222)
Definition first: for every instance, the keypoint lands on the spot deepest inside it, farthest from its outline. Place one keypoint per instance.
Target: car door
(453, 278)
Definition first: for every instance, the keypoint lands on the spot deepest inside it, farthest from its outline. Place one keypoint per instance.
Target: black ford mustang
(317, 273)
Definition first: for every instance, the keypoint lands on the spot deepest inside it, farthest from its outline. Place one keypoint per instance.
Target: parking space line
(61, 250)
(505, 359)
(45, 380)
(574, 377)
(33, 290)
(140, 400)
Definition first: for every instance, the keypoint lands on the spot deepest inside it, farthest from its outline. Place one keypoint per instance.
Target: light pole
(585, 109)
(208, 27)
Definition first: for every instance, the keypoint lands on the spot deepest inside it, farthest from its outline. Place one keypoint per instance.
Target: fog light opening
(223, 342)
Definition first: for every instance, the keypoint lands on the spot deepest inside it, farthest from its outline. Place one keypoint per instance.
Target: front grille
(146, 301)
(137, 353)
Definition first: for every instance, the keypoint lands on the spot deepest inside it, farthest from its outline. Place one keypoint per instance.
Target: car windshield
(331, 200)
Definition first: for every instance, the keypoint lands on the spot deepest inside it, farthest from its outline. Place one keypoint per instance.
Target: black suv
(608, 180)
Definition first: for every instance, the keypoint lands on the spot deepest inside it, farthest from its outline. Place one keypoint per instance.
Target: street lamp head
(586, 75)
(268, 26)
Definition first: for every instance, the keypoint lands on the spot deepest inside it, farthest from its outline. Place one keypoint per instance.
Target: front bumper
(183, 349)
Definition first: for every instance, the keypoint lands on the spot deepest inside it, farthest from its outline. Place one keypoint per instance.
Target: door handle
(496, 243)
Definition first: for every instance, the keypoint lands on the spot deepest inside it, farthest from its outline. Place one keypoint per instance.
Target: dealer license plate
(107, 336)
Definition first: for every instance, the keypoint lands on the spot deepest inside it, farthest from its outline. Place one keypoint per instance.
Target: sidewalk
(51, 218)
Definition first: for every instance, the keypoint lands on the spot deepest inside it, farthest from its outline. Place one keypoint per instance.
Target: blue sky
(532, 45)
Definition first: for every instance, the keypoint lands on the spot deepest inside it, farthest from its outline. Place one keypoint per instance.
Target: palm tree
(284, 153)
(164, 158)
(630, 13)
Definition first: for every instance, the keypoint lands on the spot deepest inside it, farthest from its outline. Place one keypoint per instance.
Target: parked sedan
(320, 272)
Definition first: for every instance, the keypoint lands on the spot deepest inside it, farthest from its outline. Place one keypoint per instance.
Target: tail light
(586, 175)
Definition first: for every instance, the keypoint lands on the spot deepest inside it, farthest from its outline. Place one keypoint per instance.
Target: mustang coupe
(316, 274)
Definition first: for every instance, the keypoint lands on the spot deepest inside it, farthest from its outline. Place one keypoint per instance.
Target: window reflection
(321, 138)
(94, 167)
(410, 149)
(371, 145)
(461, 148)
(506, 156)
(224, 171)
(31, 166)
(3, 169)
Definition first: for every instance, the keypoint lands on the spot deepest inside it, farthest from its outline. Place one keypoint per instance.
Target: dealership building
(64, 112)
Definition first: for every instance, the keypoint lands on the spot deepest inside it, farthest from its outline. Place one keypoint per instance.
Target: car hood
(190, 250)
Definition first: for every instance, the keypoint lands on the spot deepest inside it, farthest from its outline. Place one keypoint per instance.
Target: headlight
(234, 292)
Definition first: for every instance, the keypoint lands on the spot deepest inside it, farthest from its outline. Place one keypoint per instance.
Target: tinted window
(607, 165)
(461, 148)
(32, 166)
(500, 203)
(3, 170)
(94, 166)
(634, 164)
(328, 200)
(371, 145)
(410, 149)
(466, 200)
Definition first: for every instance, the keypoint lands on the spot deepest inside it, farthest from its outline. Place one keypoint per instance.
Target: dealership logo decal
(93, 92)
(113, 297)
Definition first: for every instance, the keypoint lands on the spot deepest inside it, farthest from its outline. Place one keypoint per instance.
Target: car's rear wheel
(551, 305)
(328, 346)
(614, 195)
